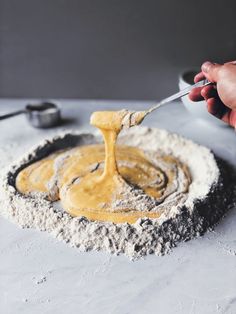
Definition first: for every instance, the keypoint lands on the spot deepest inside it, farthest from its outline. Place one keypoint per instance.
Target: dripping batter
(95, 183)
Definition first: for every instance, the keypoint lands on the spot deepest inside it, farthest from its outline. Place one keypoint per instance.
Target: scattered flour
(208, 199)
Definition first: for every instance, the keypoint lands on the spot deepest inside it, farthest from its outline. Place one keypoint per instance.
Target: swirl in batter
(116, 183)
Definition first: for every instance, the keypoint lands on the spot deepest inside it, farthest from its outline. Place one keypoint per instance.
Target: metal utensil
(178, 95)
(40, 115)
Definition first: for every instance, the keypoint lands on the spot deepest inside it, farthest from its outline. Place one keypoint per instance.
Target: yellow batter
(88, 186)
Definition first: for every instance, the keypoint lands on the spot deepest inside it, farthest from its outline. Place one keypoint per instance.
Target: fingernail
(206, 66)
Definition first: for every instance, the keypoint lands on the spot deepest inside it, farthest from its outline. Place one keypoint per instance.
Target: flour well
(206, 201)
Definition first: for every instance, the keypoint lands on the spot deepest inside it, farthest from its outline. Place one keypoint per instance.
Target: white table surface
(38, 274)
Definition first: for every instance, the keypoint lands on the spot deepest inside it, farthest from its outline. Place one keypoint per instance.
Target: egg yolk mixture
(93, 180)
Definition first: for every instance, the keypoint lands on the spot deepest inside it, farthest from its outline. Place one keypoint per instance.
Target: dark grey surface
(109, 48)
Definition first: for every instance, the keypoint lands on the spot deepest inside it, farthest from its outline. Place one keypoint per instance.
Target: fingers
(230, 118)
(195, 94)
(214, 105)
(199, 77)
(231, 62)
(201, 93)
(217, 108)
(211, 71)
(209, 92)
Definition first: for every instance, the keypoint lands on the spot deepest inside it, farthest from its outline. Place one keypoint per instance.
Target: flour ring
(206, 202)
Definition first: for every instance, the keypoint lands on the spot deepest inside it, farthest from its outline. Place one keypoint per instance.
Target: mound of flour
(208, 199)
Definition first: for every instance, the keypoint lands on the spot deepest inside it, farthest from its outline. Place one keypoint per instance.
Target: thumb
(211, 71)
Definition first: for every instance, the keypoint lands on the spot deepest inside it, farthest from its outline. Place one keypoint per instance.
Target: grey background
(109, 48)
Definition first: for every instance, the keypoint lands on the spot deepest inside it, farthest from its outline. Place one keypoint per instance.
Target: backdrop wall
(113, 49)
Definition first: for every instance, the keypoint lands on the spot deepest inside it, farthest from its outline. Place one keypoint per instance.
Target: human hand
(221, 96)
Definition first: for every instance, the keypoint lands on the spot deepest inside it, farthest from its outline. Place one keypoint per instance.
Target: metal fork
(178, 95)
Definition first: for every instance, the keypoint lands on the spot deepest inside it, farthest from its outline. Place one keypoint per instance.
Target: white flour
(206, 201)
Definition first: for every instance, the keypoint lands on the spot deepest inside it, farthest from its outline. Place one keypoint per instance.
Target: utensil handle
(11, 114)
(185, 91)
(181, 93)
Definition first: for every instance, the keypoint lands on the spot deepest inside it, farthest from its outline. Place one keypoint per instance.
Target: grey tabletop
(38, 274)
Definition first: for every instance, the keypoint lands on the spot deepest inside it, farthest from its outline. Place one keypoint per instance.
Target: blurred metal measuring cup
(40, 115)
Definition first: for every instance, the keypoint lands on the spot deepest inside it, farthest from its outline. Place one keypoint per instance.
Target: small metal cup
(43, 115)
